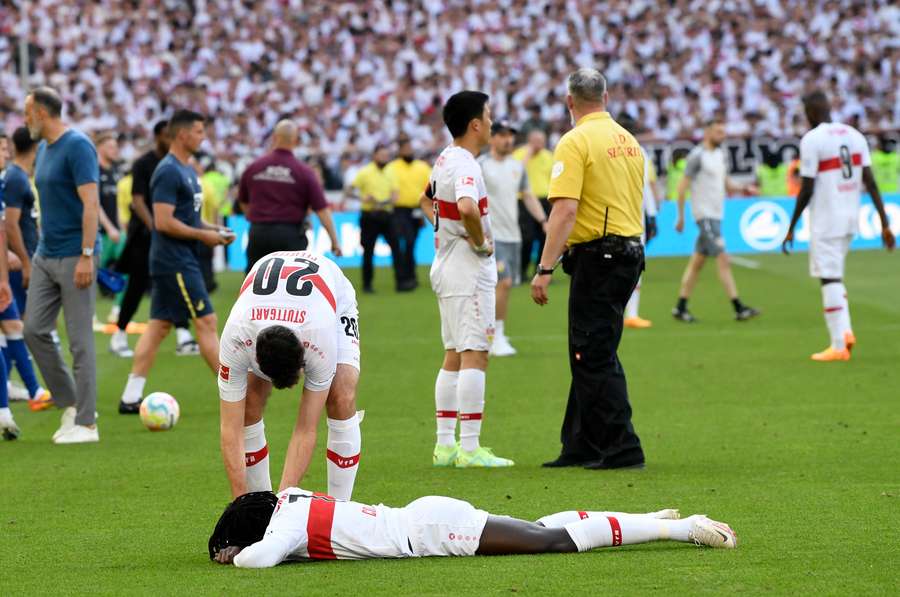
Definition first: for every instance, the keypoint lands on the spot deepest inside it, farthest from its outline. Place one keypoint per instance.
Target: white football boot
(501, 347)
(118, 345)
(8, 428)
(705, 531)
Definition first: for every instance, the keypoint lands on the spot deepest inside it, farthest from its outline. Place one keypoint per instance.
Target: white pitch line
(744, 262)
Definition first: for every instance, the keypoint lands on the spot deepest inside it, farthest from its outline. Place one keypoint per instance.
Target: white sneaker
(8, 428)
(501, 347)
(66, 422)
(79, 434)
(17, 392)
(186, 349)
(118, 345)
(712, 533)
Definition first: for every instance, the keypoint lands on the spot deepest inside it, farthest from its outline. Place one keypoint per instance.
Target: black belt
(605, 243)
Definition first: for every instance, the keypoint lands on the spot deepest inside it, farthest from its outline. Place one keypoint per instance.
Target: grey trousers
(53, 286)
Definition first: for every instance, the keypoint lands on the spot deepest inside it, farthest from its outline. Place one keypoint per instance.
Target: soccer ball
(159, 411)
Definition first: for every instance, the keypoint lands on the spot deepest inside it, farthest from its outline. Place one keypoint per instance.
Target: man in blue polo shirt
(64, 267)
(178, 290)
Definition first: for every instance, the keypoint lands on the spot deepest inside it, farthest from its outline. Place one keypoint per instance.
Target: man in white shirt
(706, 174)
(464, 277)
(506, 179)
(835, 165)
(296, 313)
(262, 530)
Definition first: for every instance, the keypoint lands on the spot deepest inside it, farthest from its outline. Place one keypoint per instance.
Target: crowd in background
(356, 74)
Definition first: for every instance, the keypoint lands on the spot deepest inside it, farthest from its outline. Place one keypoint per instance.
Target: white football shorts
(827, 256)
(442, 526)
(347, 326)
(467, 322)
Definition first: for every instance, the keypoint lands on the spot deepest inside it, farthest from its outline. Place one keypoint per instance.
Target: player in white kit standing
(464, 277)
(834, 166)
(261, 530)
(296, 313)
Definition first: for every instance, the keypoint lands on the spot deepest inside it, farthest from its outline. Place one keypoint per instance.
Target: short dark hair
(816, 100)
(184, 119)
(280, 356)
(243, 522)
(461, 109)
(160, 127)
(22, 141)
(49, 99)
(717, 118)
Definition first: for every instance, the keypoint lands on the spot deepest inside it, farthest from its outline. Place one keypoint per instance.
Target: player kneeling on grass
(261, 530)
(296, 314)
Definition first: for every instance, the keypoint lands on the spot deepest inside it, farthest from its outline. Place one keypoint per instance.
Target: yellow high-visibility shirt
(601, 165)
(411, 179)
(376, 183)
(123, 199)
(538, 169)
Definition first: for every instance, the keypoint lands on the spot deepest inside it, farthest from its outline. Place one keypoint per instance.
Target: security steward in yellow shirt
(411, 176)
(596, 189)
(377, 191)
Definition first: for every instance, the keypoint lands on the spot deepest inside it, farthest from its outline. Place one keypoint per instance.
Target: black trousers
(597, 424)
(532, 232)
(406, 229)
(373, 224)
(267, 238)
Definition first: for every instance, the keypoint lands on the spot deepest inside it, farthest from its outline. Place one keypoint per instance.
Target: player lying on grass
(296, 315)
(261, 530)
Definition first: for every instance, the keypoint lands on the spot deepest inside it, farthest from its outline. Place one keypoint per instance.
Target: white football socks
(834, 300)
(256, 457)
(631, 308)
(499, 329)
(624, 529)
(471, 407)
(446, 404)
(134, 389)
(344, 443)
(183, 335)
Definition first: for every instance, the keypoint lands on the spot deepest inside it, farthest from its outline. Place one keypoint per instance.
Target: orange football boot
(637, 323)
(832, 354)
(849, 341)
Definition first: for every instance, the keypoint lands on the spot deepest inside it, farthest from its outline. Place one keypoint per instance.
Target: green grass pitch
(801, 458)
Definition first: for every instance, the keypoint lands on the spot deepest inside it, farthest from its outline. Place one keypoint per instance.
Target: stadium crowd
(355, 74)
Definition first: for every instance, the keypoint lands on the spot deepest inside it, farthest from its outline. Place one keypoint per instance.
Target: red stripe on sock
(446, 414)
(582, 514)
(318, 528)
(251, 458)
(469, 416)
(616, 531)
(342, 461)
(833, 309)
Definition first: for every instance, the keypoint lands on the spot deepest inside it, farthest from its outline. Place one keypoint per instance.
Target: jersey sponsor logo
(287, 315)
(224, 372)
(764, 225)
(276, 174)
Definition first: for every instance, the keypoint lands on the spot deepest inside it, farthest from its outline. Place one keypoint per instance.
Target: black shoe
(683, 315)
(368, 290)
(565, 460)
(126, 408)
(746, 313)
(406, 286)
(603, 465)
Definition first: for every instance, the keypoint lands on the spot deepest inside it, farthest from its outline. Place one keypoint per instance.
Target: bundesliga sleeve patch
(224, 372)
(467, 181)
(558, 168)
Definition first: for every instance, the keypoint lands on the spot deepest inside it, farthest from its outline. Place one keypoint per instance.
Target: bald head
(285, 135)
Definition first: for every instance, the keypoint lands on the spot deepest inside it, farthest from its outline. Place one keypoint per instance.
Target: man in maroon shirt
(276, 192)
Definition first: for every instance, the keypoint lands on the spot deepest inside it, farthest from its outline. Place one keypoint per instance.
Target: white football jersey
(308, 525)
(835, 155)
(457, 270)
(300, 290)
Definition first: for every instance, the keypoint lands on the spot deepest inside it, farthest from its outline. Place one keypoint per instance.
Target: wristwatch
(544, 271)
(87, 251)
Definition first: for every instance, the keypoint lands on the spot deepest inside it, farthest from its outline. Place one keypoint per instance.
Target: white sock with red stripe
(344, 442)
(631, 308)
(628, 529)
(561, 519)
(256, 457)
(845, 319)
(835, 304)
(470, 390)
(446, 404)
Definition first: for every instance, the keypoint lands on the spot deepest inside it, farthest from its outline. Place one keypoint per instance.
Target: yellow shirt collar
(592, 116)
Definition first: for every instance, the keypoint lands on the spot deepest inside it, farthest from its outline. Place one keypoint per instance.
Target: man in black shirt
(110, 234)
(135, 258)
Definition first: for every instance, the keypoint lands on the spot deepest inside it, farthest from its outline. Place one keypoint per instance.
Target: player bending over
(296, 314)
(261, 530)
(835, 166)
